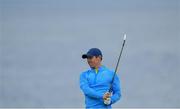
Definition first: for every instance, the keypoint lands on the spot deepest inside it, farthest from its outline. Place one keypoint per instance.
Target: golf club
(111, 86)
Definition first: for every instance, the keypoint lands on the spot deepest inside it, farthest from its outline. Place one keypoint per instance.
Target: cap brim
(84, 56)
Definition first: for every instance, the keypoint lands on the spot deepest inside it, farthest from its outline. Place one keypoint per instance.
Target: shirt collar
(100, 68)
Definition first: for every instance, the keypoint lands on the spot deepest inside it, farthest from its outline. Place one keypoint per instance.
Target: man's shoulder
(108, 70)
(111, 72)
(85, 72)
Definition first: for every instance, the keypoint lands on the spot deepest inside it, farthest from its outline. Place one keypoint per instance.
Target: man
(96, 81)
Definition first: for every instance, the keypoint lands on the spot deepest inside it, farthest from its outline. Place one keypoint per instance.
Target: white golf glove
(107, 101)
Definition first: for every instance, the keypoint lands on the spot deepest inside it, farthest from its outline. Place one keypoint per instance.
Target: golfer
(96, 81)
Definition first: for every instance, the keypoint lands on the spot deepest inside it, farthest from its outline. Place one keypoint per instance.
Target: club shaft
(110, 89)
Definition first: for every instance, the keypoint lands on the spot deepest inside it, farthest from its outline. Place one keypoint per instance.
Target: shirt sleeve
(87, 90)
(116, 90)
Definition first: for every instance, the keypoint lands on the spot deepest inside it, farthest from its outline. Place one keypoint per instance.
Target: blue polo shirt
(94, 83)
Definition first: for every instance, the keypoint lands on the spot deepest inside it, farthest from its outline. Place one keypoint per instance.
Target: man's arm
(87, 90)
(116, 90)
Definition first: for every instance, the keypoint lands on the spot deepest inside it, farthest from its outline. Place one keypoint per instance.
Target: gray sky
(41, 44)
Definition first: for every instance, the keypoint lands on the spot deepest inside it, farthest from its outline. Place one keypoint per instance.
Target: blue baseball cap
(92, 52)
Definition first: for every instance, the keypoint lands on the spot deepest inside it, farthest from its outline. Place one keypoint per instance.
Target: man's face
(93, 61)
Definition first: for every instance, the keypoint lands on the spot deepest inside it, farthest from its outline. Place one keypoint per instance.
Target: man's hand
(107, 98)
(106, 95)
